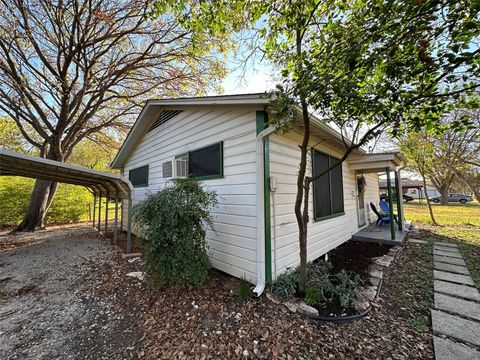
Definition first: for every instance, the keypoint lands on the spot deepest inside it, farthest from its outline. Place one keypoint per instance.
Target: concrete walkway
(456, 317)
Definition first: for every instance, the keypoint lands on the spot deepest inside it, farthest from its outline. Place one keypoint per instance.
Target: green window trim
(220, 175)
(332, 215)
(139, 168)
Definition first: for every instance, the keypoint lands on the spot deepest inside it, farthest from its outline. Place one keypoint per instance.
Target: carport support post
(390, 204)
(106, 215)
(99, 212)
(115, 233)
(129, 226)
(94, 206)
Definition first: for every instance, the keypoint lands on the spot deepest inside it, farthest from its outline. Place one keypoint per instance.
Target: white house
(225, 142)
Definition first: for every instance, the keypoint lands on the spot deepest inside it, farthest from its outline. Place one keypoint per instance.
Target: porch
(393, 232)
(380, 235)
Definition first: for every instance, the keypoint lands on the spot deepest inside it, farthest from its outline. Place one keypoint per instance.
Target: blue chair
(386, 209)
(381, 219)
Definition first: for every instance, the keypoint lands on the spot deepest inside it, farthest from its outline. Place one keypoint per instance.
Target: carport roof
(101, 183)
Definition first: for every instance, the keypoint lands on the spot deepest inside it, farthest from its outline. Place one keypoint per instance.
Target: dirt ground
(64, 294)
(46, 311)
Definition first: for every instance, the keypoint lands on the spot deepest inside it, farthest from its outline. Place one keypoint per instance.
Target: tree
(70, 69)
(366, 68)
(419, 153)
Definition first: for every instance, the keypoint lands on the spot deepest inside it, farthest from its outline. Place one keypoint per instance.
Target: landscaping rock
(361, 304)
(305, 309)
(376, 274)
(291, 306)
(418, 241)
(455, 278)
(456, 327)
(385, 260)
(449, 350)
(131, 255)
(374, 281)
(446, 244)
(451, 268)
(273, 298)
(449, 260)
(137, 274)
(445, 248)
(463, 291)
(451, 304)
(368, 292)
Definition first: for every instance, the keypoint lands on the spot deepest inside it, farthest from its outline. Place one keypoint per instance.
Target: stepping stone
(451, 268)
(446, 244)
(449, 260)
(447, 253)
(447, 249)
(463, 291)
(455, 327)
(449, 350)
(462, 307)
(418, 241)
(455, 278)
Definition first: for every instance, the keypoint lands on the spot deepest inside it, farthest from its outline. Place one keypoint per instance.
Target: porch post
(398, 190)
(115, 233)
(94, 206)
(99, 212)
(129, 225)
(106, 215)
(390, 204)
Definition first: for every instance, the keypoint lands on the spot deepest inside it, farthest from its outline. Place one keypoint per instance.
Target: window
(206, 162)
(167, 169)
(328, 189)
(139, 176)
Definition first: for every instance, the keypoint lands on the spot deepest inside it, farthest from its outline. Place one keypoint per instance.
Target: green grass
(458, 223)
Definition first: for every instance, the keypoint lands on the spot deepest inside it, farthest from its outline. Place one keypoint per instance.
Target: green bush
(286, 283)
(313, 296)
(244, 289)
(71, 203)
(172, 224)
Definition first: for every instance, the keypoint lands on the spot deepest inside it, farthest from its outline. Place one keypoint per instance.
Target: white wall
(233, 248)
(323, 235)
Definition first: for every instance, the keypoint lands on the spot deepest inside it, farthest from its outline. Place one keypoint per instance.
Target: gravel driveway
(46, 310)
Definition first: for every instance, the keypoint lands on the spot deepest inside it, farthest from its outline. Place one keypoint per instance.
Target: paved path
(456, 317)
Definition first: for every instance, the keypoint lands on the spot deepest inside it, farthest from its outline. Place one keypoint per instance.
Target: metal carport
(101, 184)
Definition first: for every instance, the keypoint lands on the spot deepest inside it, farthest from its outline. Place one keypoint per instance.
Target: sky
(257, 78)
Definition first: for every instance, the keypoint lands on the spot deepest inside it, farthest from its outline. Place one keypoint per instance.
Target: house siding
(233, 246)
(323, 235)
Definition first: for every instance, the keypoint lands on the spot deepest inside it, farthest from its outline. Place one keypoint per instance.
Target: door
(361, 200)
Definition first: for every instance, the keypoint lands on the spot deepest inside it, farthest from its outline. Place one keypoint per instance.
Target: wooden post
(106, 215)
(115, 234)
(129, 226)
(390, 204)
(99, 212)
(94, 206)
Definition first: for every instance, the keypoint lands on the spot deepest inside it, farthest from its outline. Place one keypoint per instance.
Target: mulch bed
(356, 256)
(212, 322)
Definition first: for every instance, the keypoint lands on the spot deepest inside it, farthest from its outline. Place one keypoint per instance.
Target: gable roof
(257, 100)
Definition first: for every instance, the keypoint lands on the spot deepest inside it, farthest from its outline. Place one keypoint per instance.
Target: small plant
(245, 288)
(286, 284)
(346, 287)
(171, 224)
(313, 296)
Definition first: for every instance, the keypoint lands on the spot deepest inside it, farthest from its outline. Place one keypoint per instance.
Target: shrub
(172, 224)
(286, 284)
(245, 287)
(313, 296)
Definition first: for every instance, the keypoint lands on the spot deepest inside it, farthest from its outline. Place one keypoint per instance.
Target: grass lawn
(458, 224)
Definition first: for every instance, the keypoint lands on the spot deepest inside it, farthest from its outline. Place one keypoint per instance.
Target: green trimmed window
(328, 189)
(139, 176)
(204, 163)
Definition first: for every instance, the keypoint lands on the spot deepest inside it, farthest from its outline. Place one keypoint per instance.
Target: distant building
(413, 188)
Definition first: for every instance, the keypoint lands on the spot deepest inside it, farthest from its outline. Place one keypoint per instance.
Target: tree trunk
(434, 222)
(444, 192)
(40, 201)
